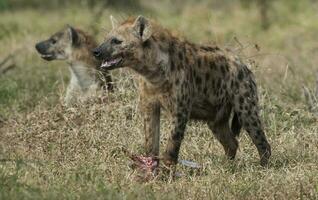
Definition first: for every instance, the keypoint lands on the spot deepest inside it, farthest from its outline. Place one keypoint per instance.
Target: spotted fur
(189, 81)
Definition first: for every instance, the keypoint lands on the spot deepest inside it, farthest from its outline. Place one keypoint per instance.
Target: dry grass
(48, 151)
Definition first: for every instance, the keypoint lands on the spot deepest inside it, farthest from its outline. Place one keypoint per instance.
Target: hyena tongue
(110, 62)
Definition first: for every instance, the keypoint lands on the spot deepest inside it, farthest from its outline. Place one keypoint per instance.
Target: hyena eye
(53, 41)
(116, 41)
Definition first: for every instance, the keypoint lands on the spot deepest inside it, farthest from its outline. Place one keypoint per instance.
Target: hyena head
(59, 46)
(123, 45)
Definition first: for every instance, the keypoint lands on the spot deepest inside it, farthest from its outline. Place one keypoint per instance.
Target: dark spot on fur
(194, 73)
(232, 84)
(146, 44)
(246, 124)
(205, 60)
(246, 94)
(222, 70)
(162, 38)
(207, 77)
(199, 62)
(180, 54)
(218, 84)
(210, 48)
(172, 66)
(240, 75)
(187, 60)
(198, 80)
(224, 87)
(205, 90)
(246, 107)
(241, 99)
(253, 103)
(177, 81)
(212, 65)
(171, 49)
(255, 124)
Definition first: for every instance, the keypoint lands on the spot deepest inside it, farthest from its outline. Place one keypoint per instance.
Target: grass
(48, 151)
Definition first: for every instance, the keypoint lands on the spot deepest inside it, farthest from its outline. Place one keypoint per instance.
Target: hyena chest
(82, 77)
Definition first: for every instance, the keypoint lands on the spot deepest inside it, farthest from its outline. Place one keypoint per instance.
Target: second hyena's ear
(142, 28)
(73, 36)
(114, 22)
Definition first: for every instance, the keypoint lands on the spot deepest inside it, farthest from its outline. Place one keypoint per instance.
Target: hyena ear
(73, 36)
(142, 28)
(114, 22)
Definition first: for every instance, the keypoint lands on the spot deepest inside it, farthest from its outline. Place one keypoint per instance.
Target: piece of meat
(147, 167)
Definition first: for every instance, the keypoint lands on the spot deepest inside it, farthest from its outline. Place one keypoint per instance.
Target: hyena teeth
(46, 56)
(110, 62)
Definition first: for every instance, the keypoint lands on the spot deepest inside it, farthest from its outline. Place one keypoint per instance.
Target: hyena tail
(236, 125)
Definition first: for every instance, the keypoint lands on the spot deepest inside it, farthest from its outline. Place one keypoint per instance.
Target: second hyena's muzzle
(44, 48)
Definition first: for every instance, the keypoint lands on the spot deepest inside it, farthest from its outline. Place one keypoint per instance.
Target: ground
(48, 151)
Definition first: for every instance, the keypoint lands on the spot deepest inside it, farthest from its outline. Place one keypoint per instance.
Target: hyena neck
(83, 75)
(153, 76)
(154, 67)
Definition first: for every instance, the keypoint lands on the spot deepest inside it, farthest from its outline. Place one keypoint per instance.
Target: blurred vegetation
(48, 151)
(53, 4)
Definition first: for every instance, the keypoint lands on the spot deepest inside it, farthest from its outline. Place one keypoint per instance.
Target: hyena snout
(102, 52)
(41, 47)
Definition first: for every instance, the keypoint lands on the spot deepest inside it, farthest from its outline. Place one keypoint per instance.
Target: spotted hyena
(190, 81)
(75, 46)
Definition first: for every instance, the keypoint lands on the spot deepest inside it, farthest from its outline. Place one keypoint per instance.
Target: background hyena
(75, 46)
(190, 81)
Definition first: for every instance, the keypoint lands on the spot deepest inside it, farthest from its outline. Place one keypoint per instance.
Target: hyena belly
(208, 111)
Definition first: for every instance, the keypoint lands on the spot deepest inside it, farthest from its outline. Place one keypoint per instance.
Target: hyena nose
(38, 46)
(96, 52)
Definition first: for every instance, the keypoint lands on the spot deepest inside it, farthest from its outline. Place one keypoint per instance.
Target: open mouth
(110, 63)
(47, 56)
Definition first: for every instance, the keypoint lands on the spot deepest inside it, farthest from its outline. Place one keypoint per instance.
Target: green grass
(48, 151)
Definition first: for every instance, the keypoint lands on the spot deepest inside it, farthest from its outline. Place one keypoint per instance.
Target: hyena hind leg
(224, 135)
(252, 124)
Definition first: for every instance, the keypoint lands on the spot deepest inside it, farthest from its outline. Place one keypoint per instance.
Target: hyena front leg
(179, 122)
(151, 124)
